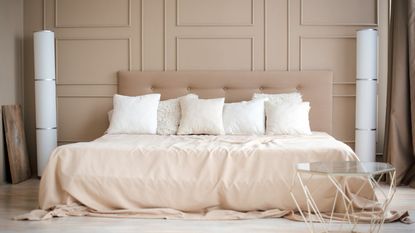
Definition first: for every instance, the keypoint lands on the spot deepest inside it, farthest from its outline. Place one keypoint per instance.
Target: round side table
(371, 215)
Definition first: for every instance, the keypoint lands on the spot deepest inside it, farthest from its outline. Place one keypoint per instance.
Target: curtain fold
(400, 115)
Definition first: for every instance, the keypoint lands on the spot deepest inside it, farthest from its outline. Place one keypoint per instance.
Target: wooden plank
(16, 143)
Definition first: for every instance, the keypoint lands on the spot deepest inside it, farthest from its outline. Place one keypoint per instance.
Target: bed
(213, 177)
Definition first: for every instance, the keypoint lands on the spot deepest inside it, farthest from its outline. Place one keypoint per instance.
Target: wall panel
(92, 13)
(276, 34)
(11, 65)
(330, 53)
(214, 53)
(91, 61)
(339, 12)
(153, 21)
(344, 89)
(215, 12)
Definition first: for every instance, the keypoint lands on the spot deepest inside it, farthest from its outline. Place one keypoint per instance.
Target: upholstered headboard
(315, 86)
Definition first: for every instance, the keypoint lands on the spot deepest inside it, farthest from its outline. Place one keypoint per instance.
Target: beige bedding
(171, 176)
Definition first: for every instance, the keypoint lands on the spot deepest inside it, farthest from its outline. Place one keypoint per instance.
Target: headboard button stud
(225, 88)
(189, 89)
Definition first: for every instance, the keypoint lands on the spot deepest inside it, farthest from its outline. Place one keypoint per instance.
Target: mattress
(171, 176)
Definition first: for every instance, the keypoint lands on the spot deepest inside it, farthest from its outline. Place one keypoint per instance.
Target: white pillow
(201, 116)
(168, 115)
(247, 117)
(134, 114)
(292, 97)
(288, 118)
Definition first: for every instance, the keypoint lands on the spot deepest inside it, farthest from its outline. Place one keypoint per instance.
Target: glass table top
(345, 168)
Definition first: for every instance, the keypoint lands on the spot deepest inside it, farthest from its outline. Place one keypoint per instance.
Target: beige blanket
(213, 177)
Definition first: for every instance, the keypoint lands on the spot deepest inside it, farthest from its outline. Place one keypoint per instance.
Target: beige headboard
(315, 86)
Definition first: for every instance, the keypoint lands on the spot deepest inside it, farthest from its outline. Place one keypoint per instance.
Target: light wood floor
(21, 198)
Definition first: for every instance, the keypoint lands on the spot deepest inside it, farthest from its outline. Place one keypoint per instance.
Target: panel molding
(178, 38)
(84, 96)
(58, 39)
(179, 23)
(44, 15)
(86, 84)
(164, 35)
(344, 83)
(348, 141)
(344, 96)
(265, 36)
(303, 23)
(301, 38)
(58, 25)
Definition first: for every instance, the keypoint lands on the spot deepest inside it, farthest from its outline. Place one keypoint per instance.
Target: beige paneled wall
(11, 64)
(96, 38)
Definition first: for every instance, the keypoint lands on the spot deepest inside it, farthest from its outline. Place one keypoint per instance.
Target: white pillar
(45, 95)
(366, 94)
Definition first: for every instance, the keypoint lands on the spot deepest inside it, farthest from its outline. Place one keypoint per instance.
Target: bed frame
(315, 86)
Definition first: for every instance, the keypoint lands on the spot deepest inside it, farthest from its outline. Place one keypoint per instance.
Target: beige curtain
(400, 117)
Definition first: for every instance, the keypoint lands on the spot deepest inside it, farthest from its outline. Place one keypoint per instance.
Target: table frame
(377, 216)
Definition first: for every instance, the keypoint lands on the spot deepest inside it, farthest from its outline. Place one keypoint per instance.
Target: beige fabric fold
(190, 177)
(150, 213)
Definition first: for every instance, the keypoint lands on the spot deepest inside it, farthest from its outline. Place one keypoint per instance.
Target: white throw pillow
(201, 116)
(168, 115)
(288, 118)
(292, 97)
(134, 114)
(246, 117)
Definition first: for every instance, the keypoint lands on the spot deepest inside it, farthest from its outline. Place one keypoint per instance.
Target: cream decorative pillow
(288, 118)
(292, 97)
(244, 118)
(168, 115)
(201, 116)
(134, 114)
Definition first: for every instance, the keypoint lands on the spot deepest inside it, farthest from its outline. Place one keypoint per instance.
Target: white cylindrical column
(45, 96)
(366, 94)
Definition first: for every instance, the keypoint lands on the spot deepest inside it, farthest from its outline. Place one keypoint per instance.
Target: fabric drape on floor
(400, 116)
